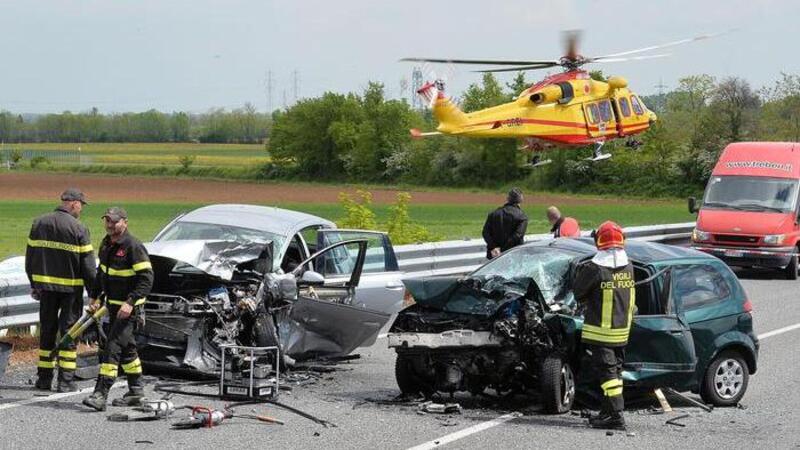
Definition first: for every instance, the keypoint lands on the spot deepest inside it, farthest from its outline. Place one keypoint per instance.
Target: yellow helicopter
(565, 109)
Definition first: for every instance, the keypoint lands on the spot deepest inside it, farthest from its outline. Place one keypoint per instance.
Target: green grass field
(155, 154)
(446, 221)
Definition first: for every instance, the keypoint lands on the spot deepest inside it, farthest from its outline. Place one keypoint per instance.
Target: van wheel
(726, 379)
(791, 269)
(557, 385)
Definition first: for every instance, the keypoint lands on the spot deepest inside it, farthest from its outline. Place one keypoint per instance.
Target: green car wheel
(726, 379)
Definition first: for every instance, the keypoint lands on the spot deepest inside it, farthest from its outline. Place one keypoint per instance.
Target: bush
(15, 156)
(186, 161)
(357, 214)
(400, 228)
(38, 161)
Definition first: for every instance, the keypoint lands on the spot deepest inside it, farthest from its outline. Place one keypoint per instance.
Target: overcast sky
(194, 55)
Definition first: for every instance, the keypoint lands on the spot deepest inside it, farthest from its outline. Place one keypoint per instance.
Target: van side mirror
(692, 205)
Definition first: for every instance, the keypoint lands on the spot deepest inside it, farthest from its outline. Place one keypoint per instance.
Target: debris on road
(688, 399)
(665, 406)
(440, 408)
(674, 420)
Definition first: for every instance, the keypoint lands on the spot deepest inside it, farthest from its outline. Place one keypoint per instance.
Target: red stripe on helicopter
(572, 139)
(557, 123)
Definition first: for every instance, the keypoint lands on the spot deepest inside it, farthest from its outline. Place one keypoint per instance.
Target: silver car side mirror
(311, 278)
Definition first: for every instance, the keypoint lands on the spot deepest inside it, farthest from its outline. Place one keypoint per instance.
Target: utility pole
(416, 84)
(269, 92)
(295, 84)
(662, 102)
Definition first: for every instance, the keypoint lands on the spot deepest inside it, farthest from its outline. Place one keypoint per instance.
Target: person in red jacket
(562, 226)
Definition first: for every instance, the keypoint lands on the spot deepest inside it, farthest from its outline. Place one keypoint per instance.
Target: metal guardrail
(18, 309)
(455, 257)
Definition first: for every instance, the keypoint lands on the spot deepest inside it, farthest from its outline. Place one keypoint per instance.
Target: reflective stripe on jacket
(125, 275)
(59, 256)
(609, 295)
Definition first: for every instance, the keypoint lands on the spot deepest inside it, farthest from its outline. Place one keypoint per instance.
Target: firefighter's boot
(100, 395)
(610, 417)
(44, 382)
(613, 421)
(135, 392)
(66, 381)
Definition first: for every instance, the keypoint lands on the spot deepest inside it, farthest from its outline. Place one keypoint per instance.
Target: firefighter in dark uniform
(123, 283)
(604, 286)
(505, 226)
(59, 262)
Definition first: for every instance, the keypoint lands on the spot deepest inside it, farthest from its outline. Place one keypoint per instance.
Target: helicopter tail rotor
(432, 90)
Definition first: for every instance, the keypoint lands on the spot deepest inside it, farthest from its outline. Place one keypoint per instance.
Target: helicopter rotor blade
(632, 58)
(655, 47)
(571, 38)
(479, 61)
(520, 68)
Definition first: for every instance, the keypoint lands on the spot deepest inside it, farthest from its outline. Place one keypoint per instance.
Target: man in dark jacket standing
(59, 262)
(605, 287)
(505, 226)
(123, 283)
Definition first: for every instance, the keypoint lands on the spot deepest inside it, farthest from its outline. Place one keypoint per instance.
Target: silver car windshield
(211, 231)
(546, 266)
(751, 193)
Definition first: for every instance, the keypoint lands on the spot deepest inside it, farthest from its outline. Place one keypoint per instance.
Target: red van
(749, 213)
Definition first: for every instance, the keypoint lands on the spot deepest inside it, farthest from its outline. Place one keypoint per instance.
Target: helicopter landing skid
(600, 157)
(598, 153)
(540, 163)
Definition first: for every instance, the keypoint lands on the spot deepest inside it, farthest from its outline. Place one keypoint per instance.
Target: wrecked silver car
(210, 293)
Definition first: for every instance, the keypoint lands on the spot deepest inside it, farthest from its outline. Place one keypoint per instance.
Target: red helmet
(609, 235)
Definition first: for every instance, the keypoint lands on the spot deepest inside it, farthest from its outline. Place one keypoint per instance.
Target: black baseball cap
(115, 213)
(73, 194)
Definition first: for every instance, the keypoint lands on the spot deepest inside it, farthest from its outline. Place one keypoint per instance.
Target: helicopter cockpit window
(637, 107)
(605, 111)
(594, 114)
(625, 107)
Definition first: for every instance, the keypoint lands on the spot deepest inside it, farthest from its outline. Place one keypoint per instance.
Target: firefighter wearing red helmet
(604, 286)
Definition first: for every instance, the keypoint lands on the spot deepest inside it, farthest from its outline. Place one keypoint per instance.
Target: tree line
(242, 125)
(364, 137)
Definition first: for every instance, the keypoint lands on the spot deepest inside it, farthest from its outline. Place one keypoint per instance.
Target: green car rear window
(698, 285)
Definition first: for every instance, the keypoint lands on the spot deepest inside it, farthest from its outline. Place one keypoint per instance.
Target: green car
(512, 326)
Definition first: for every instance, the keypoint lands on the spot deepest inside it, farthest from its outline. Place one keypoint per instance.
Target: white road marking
(763, 336)
(502, 419)
(52, 397)
(466, 432)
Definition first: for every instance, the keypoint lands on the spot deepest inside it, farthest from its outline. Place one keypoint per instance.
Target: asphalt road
(347, 397)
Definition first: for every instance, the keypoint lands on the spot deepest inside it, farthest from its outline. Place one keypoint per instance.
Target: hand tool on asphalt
(202, 417)
(688, 399)
(80, 326)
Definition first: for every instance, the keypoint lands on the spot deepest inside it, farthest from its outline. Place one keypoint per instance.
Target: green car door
(660, 349)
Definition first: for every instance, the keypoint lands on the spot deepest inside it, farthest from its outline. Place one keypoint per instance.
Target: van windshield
(751, 193)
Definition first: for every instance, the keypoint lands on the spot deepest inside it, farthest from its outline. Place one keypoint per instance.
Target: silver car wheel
(729, 378)
(567, 385)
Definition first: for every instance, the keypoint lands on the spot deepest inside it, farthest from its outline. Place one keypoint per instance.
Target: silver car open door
(323, 322)
(380, 287)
